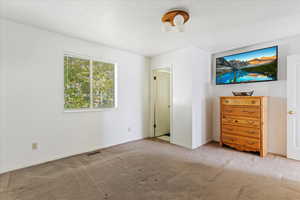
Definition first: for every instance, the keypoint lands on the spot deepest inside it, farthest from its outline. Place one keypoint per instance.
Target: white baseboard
(40, 162)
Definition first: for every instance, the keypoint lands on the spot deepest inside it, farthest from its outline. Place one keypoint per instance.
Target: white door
(293, 107)
(162, 103)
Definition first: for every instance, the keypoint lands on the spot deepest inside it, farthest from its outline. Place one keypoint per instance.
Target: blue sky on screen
(253, 54)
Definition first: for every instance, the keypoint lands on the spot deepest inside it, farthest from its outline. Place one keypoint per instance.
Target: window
(89, 84)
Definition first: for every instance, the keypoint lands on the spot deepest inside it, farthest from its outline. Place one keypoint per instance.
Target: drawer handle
(251, 143)
(236, 121)
(230, 138)
(226, 101)
(251, 132)
(230, 111)
(253, 102)
(247, 111)
(251, 122)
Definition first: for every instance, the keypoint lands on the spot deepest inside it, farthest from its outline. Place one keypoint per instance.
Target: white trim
(72, 154)
(152, 85)
(91, 83)
(91, 59)
(90, 110)
(95, 58)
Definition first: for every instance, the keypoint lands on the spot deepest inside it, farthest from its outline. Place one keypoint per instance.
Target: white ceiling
(135, 25)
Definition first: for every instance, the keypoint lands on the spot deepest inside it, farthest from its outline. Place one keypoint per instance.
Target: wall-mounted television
(252, 66)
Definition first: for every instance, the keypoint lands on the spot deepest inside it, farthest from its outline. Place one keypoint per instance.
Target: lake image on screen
(253, 66)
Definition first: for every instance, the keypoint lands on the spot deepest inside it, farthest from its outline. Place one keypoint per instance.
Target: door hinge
(154, 125)
(154, 77)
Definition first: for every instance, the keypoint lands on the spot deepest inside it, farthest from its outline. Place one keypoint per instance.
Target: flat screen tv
(252, 66)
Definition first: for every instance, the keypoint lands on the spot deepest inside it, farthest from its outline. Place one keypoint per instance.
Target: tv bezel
(247, 81)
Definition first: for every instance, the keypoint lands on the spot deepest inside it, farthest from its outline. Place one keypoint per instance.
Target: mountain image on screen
(252, 66)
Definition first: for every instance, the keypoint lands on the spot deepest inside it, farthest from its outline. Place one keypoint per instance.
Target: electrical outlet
(34, 146)
(129, 129)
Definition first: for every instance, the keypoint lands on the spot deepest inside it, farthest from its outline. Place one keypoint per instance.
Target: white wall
(201, 102)
(275, 90)
(32, 95)
(2, 88)
(191, 75)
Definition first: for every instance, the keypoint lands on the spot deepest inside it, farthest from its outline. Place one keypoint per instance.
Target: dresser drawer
(253, 123)
(243, 131)
(246, 111)
(243, 142)
(241, 101)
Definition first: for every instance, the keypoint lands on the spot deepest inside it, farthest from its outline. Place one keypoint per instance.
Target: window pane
(77, 83)
(103, 85)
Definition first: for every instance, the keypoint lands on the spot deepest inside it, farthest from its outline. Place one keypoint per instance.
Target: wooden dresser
(244, 123)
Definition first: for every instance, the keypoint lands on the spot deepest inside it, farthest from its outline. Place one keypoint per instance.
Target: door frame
(152, 100)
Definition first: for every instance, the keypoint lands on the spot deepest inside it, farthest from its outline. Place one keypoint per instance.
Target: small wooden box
(244, 123)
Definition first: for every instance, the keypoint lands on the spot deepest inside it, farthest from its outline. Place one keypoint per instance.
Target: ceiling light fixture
(174, 20)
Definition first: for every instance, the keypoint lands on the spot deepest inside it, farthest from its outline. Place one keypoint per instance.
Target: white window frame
(91, 59)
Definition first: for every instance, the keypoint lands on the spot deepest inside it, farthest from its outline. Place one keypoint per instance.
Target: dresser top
(243, 96)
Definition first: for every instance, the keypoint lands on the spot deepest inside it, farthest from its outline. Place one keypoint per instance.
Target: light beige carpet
(153, 170)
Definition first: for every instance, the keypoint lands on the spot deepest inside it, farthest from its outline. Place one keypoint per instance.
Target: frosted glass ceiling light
(175, 20)
(179, 23)
(167, 27)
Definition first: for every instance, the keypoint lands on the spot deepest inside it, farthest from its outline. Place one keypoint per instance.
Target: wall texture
(201, 100)
(2, 91)
(275, 90)
(191, 80)
(32, 98)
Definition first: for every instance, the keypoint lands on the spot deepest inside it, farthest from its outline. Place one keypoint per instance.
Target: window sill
(90, 110)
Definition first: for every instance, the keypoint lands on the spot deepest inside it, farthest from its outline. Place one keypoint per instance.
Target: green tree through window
(88, 84)
(103, 85)
(77, 83)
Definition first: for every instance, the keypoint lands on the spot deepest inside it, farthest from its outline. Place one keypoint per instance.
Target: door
(293, 107)
(162, 103)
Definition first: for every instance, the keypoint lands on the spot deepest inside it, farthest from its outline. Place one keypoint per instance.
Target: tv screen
(252, 66)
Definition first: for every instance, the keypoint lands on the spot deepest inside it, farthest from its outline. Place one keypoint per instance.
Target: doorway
(161, 110)
(293, 107)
